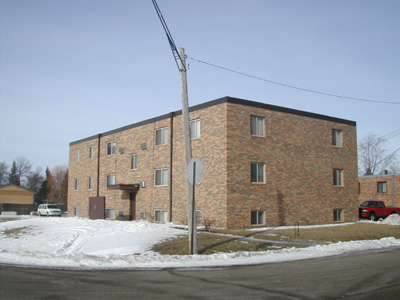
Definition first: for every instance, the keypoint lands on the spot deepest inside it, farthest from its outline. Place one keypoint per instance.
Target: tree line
(51, 186)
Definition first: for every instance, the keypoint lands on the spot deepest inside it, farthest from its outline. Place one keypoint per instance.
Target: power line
(387, 157)
(291, 86)
(174, 50)
(386, 136)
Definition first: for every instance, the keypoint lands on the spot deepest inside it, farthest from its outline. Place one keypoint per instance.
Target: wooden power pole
(188, 155)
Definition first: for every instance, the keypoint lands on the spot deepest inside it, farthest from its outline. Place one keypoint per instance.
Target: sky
(80, 243)
(71, 69)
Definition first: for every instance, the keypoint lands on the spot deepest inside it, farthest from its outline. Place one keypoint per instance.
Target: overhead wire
(174, 50)
(387, 157)
(291, 86)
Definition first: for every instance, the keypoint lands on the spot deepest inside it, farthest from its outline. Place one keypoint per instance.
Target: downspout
(393, 191)
(98, 165)
(170, 164)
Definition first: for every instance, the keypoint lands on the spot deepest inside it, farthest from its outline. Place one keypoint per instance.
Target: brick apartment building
(264, 165)
(385, 187)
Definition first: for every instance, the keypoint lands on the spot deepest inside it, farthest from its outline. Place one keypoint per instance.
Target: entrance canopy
(125, 187)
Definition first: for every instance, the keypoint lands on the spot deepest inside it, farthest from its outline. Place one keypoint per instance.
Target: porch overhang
(125, 187)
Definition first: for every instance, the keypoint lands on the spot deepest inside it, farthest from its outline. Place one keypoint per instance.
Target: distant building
(264, 165)
(380, 187)
(12, 194)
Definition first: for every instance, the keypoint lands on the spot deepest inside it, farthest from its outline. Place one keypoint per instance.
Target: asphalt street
(363, 276)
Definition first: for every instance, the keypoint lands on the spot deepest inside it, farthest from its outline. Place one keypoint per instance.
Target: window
(110, 213)
(161, 216)
(257, 217)
(257, 126)
(382, 187)
(133, 161)
(110, 179)
(76, 185)
(161, 136)
(111, 148)
(337, 177)
(161, 177)
(338, 215)
(195, 129)
(91, 152)
(77, 155)
(75, 211)
(337, 138)
(257, 173)
(90, 183)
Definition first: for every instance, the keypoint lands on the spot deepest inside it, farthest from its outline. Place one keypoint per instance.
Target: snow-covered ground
(100, 244)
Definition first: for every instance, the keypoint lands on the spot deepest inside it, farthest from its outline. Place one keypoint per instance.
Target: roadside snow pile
(391, 220)
(100, 244)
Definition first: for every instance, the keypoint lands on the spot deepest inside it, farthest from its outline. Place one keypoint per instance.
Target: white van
(49, 210)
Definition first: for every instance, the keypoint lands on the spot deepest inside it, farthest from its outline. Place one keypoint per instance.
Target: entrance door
(132, 200)
(97, 207)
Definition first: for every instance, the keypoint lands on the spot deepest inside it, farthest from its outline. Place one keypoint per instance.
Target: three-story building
(264, 165)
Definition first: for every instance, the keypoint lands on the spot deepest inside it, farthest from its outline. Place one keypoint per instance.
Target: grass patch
(209, 244)
(345, 233)
(15, 232)
(7, 219)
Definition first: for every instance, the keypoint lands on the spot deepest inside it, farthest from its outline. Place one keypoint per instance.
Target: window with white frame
(337, 138)
(257, 217)
(110, 179)
(77, 155)
(90, 183)
(382, 187)
(111, 148)
(337, 177)
(161, 216)
(195, 129)
(338, 215)
(76, 184)
(161, 136)
(91, 152)
(257, 126)
(161, 177)
(134, 161)
(257, 173)
(110, 213)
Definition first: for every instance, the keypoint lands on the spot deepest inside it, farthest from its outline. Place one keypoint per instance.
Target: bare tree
(3, 172)
(34, 180)
(373, 158)
(24, 167)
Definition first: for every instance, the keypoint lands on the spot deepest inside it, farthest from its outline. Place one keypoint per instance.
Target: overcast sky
(71, 69)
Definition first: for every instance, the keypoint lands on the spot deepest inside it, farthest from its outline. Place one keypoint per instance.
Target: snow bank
(391, 220)
(100, 244)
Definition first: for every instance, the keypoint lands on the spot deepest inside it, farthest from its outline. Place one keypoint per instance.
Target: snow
(79, 243)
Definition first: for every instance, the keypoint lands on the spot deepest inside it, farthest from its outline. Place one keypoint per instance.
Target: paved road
(364, 276)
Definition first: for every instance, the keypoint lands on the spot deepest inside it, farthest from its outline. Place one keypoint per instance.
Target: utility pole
(186, 130)
(188, 155)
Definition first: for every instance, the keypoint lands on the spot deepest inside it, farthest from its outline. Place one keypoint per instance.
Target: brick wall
(299, 160)
(368, 189)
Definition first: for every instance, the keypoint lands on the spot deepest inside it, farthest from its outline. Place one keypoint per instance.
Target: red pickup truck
(374, 210)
